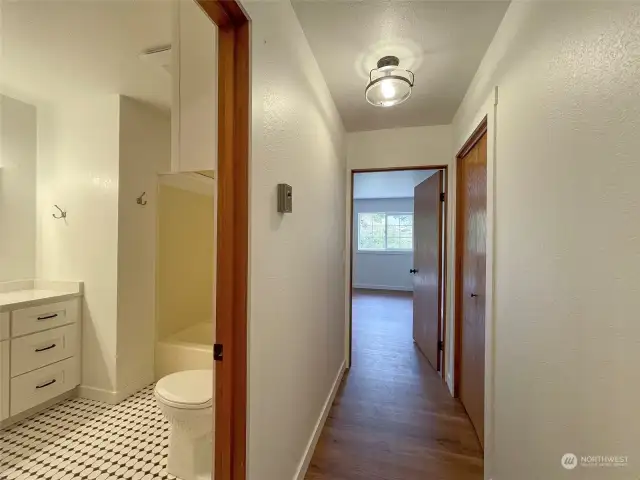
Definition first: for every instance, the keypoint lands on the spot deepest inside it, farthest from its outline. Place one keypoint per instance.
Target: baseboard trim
(108, 396)
(383, 287)
(313, 441)
(99, 395)
(37, 409)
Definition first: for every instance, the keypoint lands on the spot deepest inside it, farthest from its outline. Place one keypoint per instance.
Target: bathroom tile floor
(83, 439)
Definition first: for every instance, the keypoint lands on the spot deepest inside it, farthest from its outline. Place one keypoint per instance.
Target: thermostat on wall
(285, 198)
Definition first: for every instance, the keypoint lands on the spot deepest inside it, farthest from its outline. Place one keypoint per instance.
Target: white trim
(351, 239)
(313, 441)
(97, 394)
(383, 287)
(9, 421)
(489, 343)
(101, 395)
(403, 197)
(15, 285)
(490, 110)
(39, 284)
(175, 88)
(384, 252)
(66, 287)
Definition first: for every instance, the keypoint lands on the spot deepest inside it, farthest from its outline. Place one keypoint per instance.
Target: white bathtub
(188, 349)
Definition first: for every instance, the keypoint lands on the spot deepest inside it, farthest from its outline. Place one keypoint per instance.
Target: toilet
(186, 400)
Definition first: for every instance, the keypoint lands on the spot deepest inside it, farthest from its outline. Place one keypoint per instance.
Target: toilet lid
(187, 389)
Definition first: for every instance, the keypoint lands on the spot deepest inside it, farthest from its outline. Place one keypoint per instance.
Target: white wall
(381, 270)
(18, 149)
(78, 169)
(296, 299)
(400, 147)
(96, 155)
(564, 236)
(145, 151)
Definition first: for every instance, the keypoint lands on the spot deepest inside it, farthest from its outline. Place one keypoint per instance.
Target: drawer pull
(50, 382)
(48, 317)
(53, 345)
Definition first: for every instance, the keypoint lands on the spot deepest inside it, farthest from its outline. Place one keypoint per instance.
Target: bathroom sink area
(39, 345)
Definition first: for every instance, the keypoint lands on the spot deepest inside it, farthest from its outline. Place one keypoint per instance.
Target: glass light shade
(388, 90)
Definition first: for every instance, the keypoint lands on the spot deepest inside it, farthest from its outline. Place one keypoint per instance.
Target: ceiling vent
(158, 56)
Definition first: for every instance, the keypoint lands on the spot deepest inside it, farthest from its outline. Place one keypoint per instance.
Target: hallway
(393, 418)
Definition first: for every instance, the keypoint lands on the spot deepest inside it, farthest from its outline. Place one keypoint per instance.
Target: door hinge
(217, 352)
(443, 196)
(440, 345)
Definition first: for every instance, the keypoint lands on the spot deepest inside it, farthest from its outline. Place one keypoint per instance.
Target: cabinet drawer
(43, 317)
(36, 387)
(39, 349)
(4, 325)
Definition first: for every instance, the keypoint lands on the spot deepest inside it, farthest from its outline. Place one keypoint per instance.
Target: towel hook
(140, 201)
(63, 214)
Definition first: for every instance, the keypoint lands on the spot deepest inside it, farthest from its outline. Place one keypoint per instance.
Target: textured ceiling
(441, 41)
(52, 49)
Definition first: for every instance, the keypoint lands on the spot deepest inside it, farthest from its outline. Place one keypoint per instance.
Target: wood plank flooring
(393, 418)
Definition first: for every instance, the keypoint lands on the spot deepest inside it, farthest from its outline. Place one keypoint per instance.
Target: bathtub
(188, 349)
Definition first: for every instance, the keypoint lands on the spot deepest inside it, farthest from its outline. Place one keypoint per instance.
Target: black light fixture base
(388, 61)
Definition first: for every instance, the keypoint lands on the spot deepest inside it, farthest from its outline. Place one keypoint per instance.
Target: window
(385, 231)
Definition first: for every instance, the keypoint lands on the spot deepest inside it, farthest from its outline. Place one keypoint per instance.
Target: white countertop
(14, 295)
(29, 298)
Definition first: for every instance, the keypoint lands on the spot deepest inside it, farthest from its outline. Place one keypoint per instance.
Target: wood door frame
(350, 239)
(471, 142)
(232, 246)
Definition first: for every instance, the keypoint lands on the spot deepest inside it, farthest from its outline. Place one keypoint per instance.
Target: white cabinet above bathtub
(39, 344)
(195, 92)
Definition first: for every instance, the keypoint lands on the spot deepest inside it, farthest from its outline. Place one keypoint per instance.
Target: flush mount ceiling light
(388, 84)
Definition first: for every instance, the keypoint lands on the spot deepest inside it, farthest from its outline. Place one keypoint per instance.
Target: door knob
(413, 270)
(474, 295)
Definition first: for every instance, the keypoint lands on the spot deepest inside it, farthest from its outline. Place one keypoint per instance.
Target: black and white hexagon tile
(82, 439)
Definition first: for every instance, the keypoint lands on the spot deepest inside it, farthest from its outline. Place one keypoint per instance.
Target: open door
(427, 267)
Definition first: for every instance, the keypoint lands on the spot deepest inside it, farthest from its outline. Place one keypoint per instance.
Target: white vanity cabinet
(4, 366)
(39, 349)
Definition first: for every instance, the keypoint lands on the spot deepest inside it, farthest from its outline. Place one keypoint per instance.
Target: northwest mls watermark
(570, 461)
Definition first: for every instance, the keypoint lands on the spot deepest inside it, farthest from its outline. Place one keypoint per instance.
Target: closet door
(472, 234)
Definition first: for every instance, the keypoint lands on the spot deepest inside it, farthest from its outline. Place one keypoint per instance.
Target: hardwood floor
(393, 418)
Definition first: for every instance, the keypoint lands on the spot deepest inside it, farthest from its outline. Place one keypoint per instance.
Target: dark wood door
(427, 266)
(472, 243)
